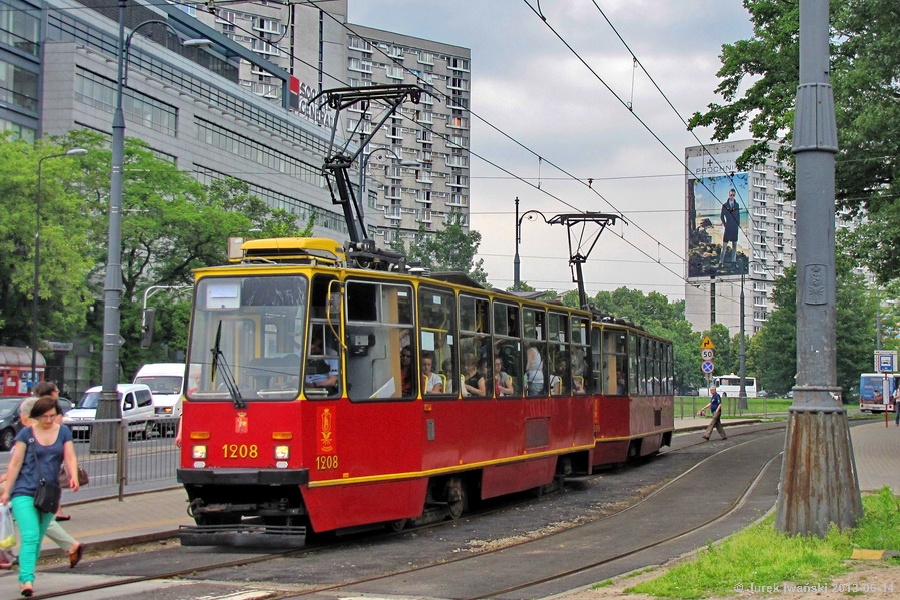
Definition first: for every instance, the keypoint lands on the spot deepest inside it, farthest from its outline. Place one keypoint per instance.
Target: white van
(166, 381)
(135, 401)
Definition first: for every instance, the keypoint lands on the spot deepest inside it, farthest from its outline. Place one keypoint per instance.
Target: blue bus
(874, 388)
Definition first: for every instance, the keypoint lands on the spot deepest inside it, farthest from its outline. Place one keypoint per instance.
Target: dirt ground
(866, 579)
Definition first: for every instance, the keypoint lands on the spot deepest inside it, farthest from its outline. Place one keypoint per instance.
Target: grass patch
(765, 557)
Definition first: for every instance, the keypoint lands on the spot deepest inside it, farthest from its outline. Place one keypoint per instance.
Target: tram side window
(615, 375)
(322, 375)
(670, 379)
(600, 363)
(475, 379)
(560, 382)
(379, 325)
(579, 355)
(437, 340)
(658, 367)
(536, 367)
(633, 359)
(507, 350)
(642, 363)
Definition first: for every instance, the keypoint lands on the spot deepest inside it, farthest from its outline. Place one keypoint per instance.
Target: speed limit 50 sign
(707, 353)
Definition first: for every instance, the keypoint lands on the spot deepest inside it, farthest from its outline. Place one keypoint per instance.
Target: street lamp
(109, 405)
(37, 258)
(362, 175)
(530, 214)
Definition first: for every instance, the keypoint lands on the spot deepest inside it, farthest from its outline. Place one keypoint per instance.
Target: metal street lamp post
(516, 263)
(37, 259)
(112, 287)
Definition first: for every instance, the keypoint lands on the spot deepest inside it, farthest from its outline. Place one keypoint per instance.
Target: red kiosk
(15, 368)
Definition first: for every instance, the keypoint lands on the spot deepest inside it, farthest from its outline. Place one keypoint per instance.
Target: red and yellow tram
(321, 394)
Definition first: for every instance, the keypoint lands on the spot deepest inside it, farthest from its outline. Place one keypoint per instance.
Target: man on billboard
(731, 221)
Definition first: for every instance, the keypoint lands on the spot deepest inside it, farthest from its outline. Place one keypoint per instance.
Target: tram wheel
(398, 525)
(457, 500)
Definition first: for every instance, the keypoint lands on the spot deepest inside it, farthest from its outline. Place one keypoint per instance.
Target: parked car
(9, 420)
(166, 381)
(135, 402)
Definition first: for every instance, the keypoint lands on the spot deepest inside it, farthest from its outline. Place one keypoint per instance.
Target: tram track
(195, 570)
(413, 582)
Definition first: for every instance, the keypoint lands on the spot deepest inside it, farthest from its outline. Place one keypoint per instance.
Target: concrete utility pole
(818, 477)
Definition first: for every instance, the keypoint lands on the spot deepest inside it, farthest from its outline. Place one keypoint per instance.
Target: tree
(774, 349)
(171, 225)
(65, 259)
(448, 249)
(659, 317)
(864, 67)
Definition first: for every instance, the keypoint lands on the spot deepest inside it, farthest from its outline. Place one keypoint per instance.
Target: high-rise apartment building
(419, 160)
(729, 244)
(417, 164)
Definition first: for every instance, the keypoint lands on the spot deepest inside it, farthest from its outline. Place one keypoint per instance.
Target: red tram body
(299, 411)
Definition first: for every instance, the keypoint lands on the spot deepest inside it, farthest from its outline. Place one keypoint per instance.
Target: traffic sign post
(885, 361)
(707, 351)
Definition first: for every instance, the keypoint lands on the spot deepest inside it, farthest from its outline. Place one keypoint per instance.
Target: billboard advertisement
(718, 221)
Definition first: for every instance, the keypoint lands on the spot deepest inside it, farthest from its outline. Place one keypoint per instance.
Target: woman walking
(37, 455)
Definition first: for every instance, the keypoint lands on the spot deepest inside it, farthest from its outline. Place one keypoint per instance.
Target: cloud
(527, 84)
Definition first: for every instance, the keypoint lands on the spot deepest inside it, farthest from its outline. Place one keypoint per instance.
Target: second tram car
(322, 396)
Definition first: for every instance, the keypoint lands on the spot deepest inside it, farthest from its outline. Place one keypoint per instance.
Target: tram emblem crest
(326, 430)
(241, 423)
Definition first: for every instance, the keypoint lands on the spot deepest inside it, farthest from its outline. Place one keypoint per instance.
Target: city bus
(874, 388)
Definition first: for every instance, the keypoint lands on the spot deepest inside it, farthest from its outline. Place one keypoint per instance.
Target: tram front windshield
(247, 338)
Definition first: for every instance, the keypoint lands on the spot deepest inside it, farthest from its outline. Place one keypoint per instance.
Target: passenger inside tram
(432, 383)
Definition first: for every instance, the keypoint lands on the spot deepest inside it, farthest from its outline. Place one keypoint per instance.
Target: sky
(544, 123)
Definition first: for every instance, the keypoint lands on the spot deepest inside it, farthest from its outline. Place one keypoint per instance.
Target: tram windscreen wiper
(227, 376)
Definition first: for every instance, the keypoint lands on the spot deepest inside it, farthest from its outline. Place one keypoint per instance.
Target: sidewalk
(150, 516)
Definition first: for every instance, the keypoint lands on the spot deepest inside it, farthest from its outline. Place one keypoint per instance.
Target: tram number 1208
(324, 463)
(240, 451)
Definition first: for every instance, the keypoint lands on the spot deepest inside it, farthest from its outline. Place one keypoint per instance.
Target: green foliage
(65, 236)
(448, 249)
(764, 556)
(864, 65)
(774, 349)
(880, 527)
(171, 225)
(658, 316)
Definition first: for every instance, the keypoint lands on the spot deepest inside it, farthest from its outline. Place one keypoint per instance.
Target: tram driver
(321, 365)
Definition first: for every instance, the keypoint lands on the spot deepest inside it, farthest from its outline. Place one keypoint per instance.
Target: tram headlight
(198, 453)
(282, 452)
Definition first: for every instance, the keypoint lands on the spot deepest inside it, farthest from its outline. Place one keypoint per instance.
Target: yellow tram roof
(293, 249)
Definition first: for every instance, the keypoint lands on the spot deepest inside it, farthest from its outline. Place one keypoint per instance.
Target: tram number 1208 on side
(326, 463)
